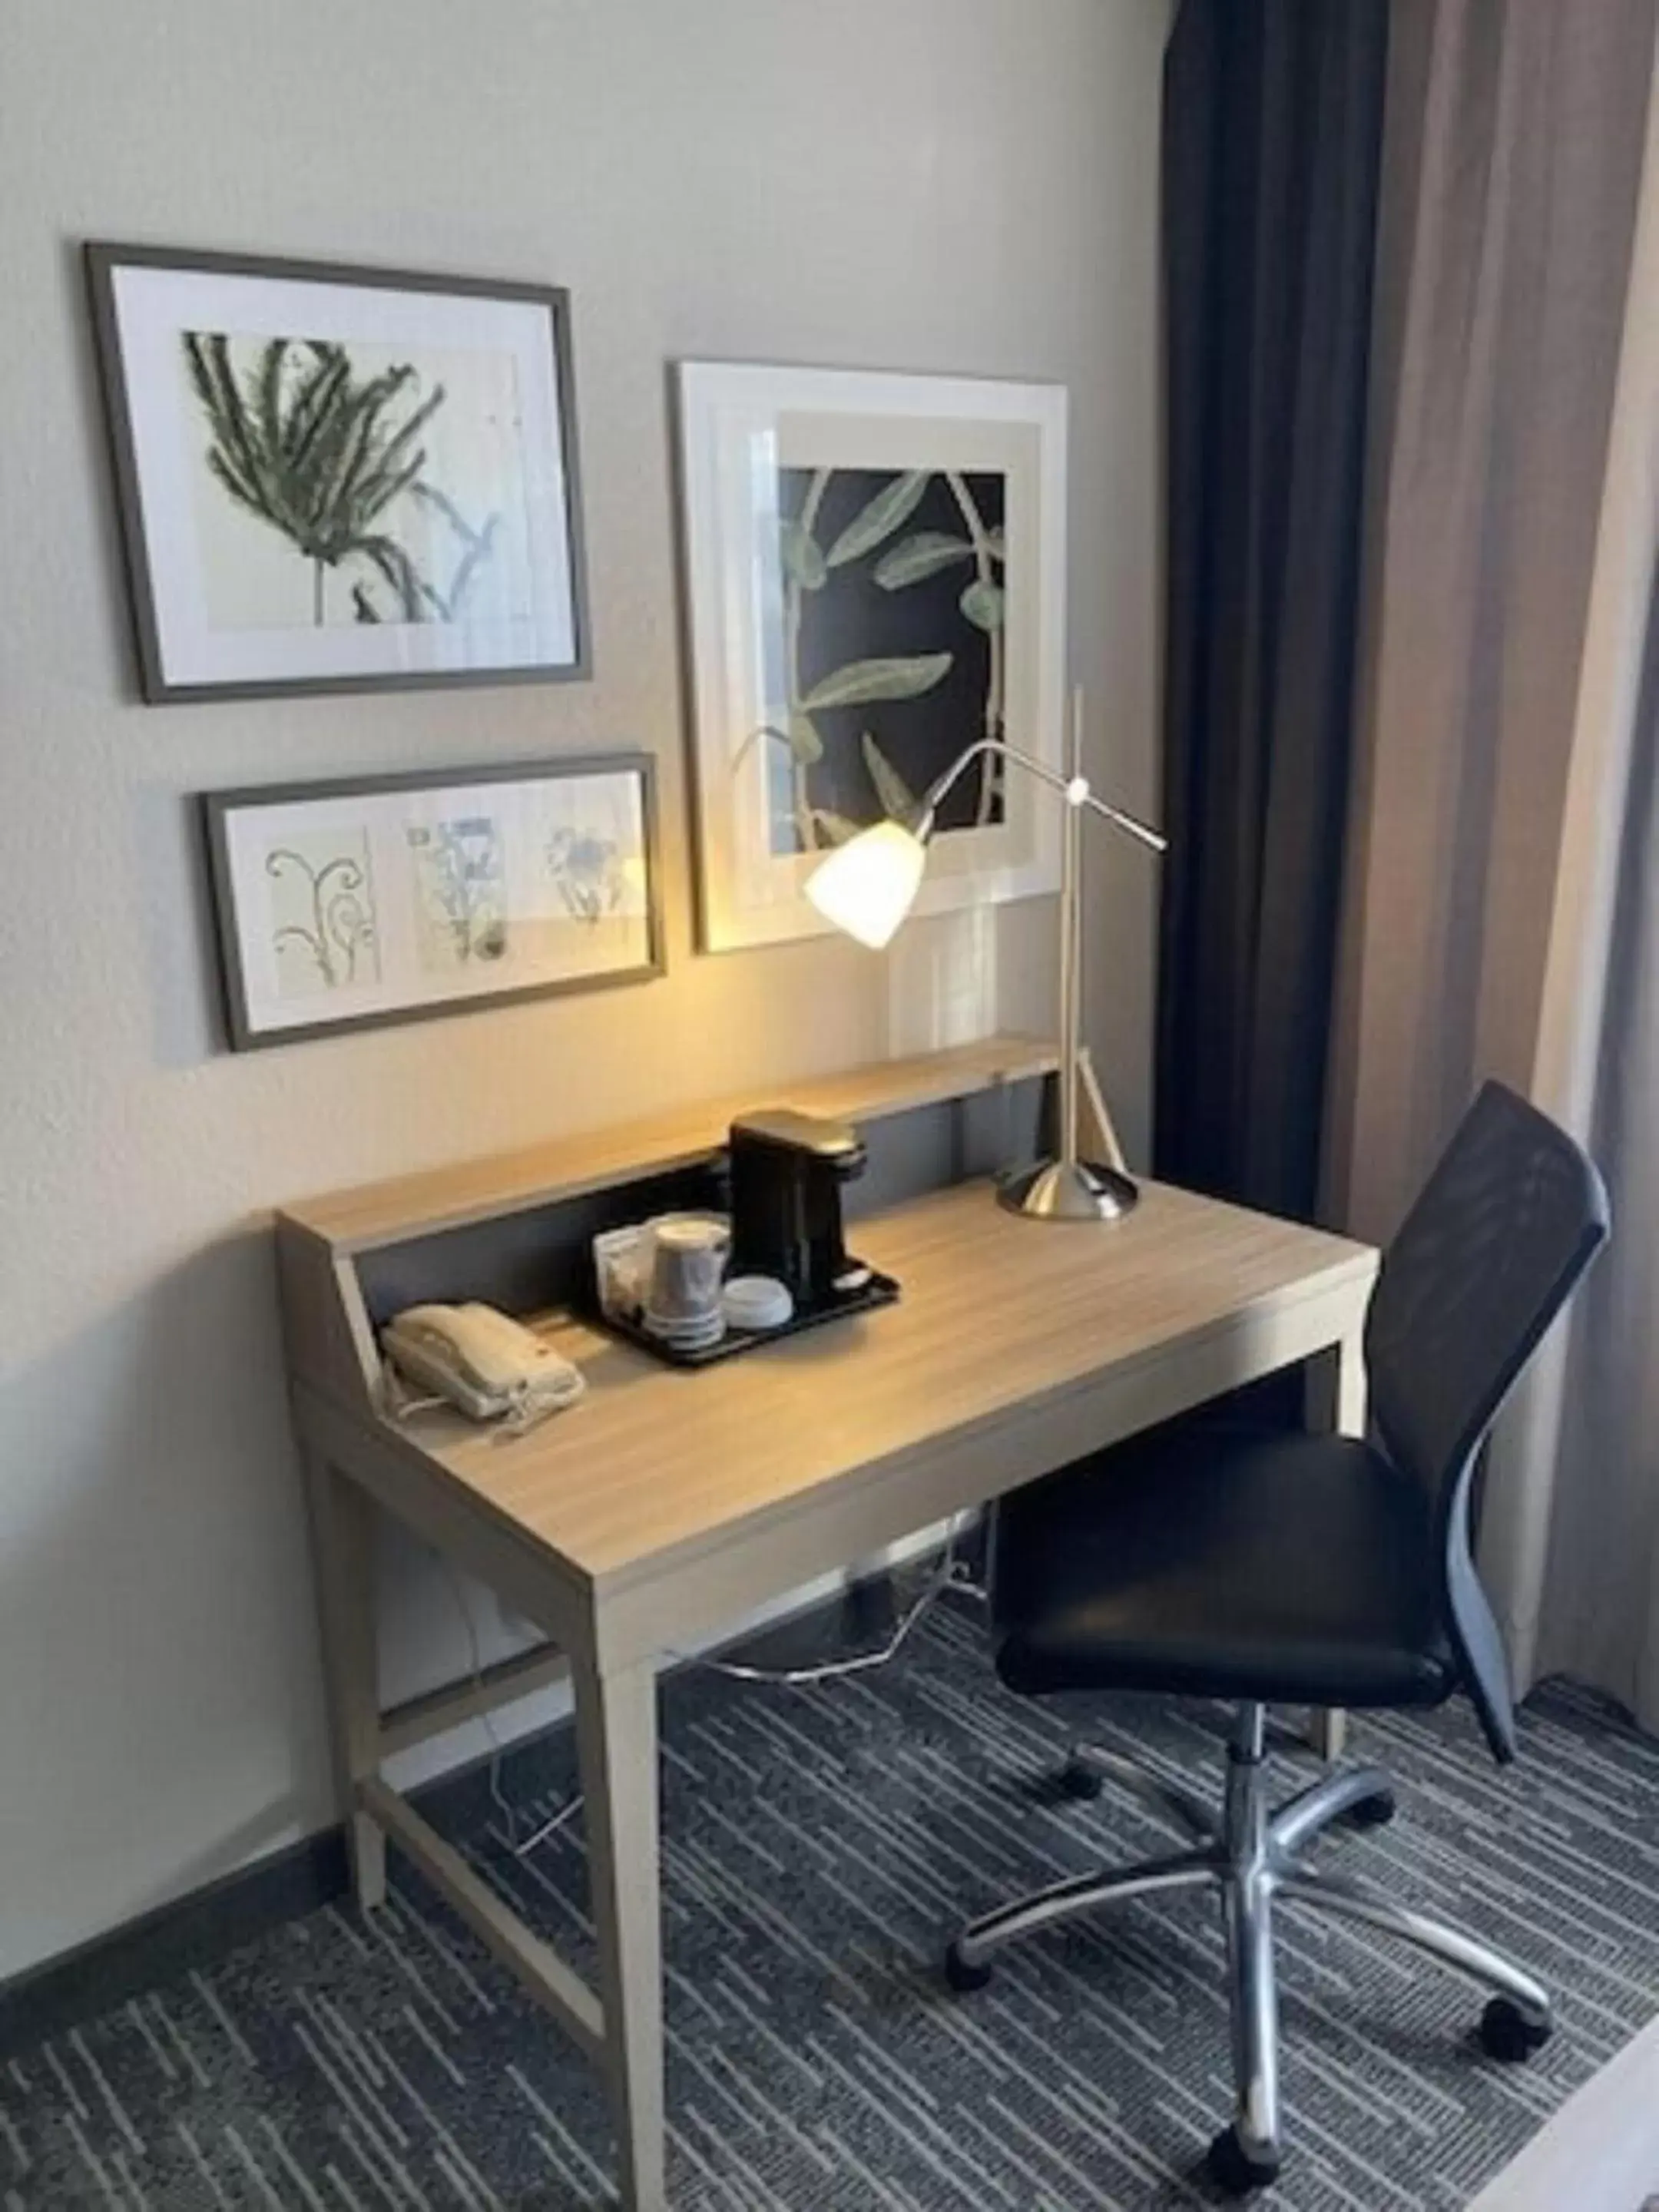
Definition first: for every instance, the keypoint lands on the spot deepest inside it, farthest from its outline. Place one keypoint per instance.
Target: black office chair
(1282, 1568)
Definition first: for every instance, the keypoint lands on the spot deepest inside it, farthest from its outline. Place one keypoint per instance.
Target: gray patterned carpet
(821, 1844)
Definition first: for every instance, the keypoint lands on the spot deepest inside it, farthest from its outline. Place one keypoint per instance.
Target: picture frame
(875, 575)
(347, 905)
(333, 478)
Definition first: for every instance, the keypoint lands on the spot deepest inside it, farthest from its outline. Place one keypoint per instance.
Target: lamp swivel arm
(1074, 789)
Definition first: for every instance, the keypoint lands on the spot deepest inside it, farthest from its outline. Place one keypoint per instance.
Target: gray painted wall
(951, 184)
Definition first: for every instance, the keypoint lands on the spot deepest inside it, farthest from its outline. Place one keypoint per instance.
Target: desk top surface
(998, 1314)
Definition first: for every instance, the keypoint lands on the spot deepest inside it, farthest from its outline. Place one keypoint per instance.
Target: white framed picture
(347, 905)
(875, 577)
(338, 479)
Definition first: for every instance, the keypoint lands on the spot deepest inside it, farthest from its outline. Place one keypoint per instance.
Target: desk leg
(341, 1541)
(1335, 1402)
(617, 1741)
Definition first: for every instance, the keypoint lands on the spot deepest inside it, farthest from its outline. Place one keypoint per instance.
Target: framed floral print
(875, 576)
(343, 905)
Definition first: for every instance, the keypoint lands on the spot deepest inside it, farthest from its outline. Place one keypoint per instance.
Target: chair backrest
(1489, 1253)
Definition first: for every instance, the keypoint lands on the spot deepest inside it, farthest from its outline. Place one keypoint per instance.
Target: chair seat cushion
(1222, 1563)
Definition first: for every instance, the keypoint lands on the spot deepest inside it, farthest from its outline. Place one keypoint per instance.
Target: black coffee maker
(786, 1173)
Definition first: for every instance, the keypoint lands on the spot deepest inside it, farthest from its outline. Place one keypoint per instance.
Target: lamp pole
(1070, 942)
(1065, 1188)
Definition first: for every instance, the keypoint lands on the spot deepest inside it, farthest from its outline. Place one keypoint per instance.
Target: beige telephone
(493, 1369)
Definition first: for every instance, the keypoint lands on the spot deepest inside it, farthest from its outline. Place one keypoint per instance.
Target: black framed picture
(351, 904)
(339, 479)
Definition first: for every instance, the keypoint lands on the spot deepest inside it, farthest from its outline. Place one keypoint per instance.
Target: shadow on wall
(174, 901)
(111, 568)
(158, 1539)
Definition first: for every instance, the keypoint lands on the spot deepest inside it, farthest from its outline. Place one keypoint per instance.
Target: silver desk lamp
(868, 885)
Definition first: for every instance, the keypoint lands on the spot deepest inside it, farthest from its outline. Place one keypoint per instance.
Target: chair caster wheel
(1507, 2032)
(963, 1977)
(1372, 1812)
(1078, 1778)
(1238, 2171)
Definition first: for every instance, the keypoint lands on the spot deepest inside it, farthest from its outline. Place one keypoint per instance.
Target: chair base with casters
(1256, 1859)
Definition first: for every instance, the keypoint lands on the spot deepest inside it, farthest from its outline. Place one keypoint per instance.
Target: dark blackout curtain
(1272, 146)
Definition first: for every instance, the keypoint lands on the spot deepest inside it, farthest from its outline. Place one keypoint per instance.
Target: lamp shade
(867, 885)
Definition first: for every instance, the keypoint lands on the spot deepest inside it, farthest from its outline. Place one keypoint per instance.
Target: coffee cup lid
(756, 1302)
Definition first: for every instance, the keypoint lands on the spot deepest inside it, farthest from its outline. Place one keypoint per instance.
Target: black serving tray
(879, 1291)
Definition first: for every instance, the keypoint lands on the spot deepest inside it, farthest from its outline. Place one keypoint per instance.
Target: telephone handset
(491, 1368)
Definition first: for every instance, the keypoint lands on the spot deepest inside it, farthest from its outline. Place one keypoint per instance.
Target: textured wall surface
(954, 185)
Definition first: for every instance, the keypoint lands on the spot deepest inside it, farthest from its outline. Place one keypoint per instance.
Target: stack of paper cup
(683, 1282)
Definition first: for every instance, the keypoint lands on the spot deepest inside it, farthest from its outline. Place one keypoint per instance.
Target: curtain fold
(1500, 916)
(1272, 135)
(1512, 161)
(1582, 1451)
(1571, 1545)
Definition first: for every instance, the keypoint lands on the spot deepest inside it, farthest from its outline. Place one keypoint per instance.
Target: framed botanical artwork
(339, 479)
(341, 905)
(876, 575)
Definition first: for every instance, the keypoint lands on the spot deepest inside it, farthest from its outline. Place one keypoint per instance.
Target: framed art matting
(875, 576)
(336, 479)
(340, 905)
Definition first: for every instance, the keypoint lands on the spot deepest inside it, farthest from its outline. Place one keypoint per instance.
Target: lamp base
(1051, 1191)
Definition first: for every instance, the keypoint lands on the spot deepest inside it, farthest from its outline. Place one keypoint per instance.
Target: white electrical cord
(503, 1804)
(949, 1574)
(565, 1815)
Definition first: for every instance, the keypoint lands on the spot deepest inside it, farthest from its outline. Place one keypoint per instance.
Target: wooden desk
(669, 1504)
